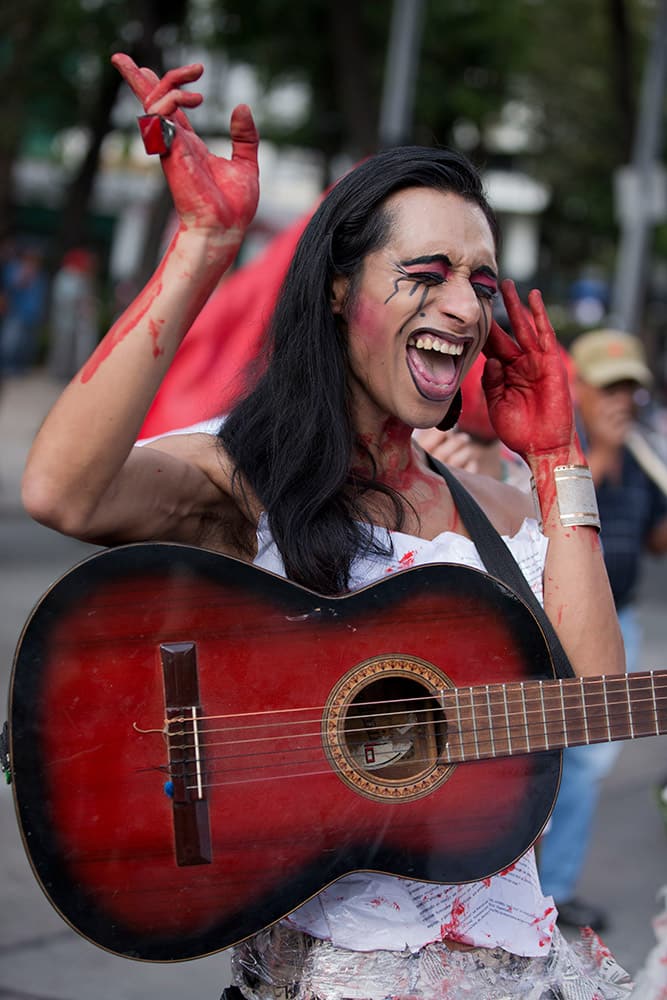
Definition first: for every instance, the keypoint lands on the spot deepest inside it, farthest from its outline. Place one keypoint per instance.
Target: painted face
(607, 411)
(422, 308)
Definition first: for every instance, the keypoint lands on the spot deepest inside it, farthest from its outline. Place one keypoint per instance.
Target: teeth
(443, 346)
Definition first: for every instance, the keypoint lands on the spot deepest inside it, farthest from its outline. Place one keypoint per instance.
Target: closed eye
(427, 277)
(484, 290)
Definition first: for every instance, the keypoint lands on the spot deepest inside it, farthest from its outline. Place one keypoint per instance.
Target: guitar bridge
(192, 835)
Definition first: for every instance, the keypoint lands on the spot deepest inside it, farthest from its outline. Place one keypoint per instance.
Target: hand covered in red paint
(525, 382)
(211, 194)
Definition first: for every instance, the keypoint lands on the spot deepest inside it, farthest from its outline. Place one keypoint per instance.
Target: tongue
(433, 369)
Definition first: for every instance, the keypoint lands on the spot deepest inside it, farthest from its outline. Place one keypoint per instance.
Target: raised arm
(83, 476)
(529, 404)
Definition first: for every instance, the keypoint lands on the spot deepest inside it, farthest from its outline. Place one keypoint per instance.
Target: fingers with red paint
(244, 136)
(500, 345)
(167, 95)
(212, 195)
(161, 97)
(525, 380)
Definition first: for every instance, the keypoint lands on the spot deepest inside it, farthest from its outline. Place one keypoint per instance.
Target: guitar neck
(501, 720)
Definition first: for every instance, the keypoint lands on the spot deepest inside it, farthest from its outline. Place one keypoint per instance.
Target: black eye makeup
(485, 282)
(434, 269)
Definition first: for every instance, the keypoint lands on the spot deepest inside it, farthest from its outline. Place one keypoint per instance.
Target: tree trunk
(17, 29)
(358, 99)
(622, 74)
(152, 14)
(74, 216)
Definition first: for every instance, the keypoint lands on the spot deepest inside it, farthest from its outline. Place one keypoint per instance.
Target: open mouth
(434, 363)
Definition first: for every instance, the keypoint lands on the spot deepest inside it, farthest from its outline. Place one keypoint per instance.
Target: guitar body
(306, 739)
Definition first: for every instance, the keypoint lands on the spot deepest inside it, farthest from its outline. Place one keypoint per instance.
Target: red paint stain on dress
(546, 935)
(381, 901)
(506, 871)
(407, 560)
(596, 946)
(451, 929)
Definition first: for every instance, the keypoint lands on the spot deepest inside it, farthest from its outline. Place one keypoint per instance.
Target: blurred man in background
(611, 373)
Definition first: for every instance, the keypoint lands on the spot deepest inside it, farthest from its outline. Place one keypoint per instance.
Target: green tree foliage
(469, 53)
(472, 51)
(576, 66)
(337, 48)
(583, 74)
(55, 69)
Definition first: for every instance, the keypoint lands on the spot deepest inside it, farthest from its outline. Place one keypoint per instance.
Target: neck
(389, 447)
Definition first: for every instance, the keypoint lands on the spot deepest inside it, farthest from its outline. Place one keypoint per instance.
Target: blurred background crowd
(562, 112)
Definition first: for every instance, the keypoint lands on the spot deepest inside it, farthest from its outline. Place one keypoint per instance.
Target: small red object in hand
(157, 134)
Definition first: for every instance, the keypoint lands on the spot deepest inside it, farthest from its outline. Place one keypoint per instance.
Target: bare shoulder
(505, 506)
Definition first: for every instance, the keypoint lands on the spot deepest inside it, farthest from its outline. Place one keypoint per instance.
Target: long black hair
(292, 436)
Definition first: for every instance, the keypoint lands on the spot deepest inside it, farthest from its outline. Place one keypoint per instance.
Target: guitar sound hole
(394, 729)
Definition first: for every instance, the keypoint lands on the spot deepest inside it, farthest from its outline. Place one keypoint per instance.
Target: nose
(458, 300)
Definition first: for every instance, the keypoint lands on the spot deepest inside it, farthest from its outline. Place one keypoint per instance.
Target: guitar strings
(583, 733)
(443, 759)
(556, 699)
(465, 714)
(593, 730)
(485, 754)
(571, 687)
(235, 777)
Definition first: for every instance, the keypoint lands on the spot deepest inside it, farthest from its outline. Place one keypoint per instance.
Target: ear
(339, 289)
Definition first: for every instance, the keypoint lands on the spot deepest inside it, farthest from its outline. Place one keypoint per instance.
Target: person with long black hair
(315, 475)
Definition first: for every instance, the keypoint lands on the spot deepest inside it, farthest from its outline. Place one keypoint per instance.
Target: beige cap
(603, 357)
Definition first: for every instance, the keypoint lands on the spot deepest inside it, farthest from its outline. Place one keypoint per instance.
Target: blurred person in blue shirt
(24, 289)
(611, 372)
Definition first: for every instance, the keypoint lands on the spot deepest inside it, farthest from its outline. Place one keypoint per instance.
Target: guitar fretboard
(501, 720)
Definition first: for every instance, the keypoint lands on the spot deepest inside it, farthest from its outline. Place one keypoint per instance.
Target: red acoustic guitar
(198, 746)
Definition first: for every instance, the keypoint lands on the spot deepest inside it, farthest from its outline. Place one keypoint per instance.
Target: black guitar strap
(500, 562)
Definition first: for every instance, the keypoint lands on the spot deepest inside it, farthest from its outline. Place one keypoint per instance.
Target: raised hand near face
(525, 382)
(212, 194)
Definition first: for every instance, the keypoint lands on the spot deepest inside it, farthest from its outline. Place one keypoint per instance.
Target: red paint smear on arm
(154, 330)
(120, 330)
